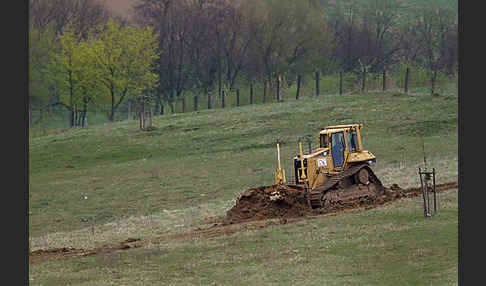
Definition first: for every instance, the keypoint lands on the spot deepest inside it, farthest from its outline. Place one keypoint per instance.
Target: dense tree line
(207, 46)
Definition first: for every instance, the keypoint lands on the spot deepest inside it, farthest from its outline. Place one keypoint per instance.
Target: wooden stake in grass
(195, 103)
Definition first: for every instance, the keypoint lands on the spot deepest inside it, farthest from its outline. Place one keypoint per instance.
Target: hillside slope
(207, 157)
(114, 183)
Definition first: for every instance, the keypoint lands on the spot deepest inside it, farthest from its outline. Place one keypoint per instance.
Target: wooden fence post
(195, 103)
(317, 83)
(264, 91)
(384, 78)
(278, 88)
(71, 116)
(129, 109)
(238, 97)
(183, 104)
(75, 112)
(406, 79)
(140, 118)
(363, 81)
(223, 98)
(340, 82)
(297, 93)
(150, 116)
(209, 100)
(432, 82)
(251, 93)
(142, 115)
(30, 115)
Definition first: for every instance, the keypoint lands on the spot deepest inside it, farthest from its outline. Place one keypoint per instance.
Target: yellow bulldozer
(338, 171)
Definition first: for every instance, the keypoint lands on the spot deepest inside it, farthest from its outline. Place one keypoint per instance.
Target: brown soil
(68, 252)
(253, 210)
(256, 204)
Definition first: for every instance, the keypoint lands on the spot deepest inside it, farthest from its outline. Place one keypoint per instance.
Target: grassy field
(117, 182)
(393, 245)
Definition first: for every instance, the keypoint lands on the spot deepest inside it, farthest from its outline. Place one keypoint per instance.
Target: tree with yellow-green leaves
(68, 69)
(125, 57)
(112, 63)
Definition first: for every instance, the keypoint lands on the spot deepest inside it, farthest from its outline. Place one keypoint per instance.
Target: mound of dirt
(259, 203)
(286, 201)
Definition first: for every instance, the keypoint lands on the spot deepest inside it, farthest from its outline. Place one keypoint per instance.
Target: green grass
(392, 245)
(126, 172)
(191, 167)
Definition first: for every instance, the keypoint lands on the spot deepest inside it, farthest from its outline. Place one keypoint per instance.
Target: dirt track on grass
(252, 212)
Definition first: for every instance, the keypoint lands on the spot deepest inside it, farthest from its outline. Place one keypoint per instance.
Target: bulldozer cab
(340, 140)
(339, 147)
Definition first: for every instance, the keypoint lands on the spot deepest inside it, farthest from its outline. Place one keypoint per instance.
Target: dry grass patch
(145, 227)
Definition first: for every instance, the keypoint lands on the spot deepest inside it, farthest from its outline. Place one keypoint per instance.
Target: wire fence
(413, 81)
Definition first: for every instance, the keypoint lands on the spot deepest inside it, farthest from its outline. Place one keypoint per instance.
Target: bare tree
(437, 29)
(173, 23)
(83, 14)
(367, 33)
(380, 23)
(342, 18)
(236, 42)
(288, 38)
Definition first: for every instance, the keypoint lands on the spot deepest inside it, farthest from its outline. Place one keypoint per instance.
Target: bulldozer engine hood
(363, 156)
(315, 153)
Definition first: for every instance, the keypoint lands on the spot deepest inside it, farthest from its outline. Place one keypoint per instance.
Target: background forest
(181, 56)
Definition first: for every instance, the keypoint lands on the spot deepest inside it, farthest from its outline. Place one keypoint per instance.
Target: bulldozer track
(321, 193)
